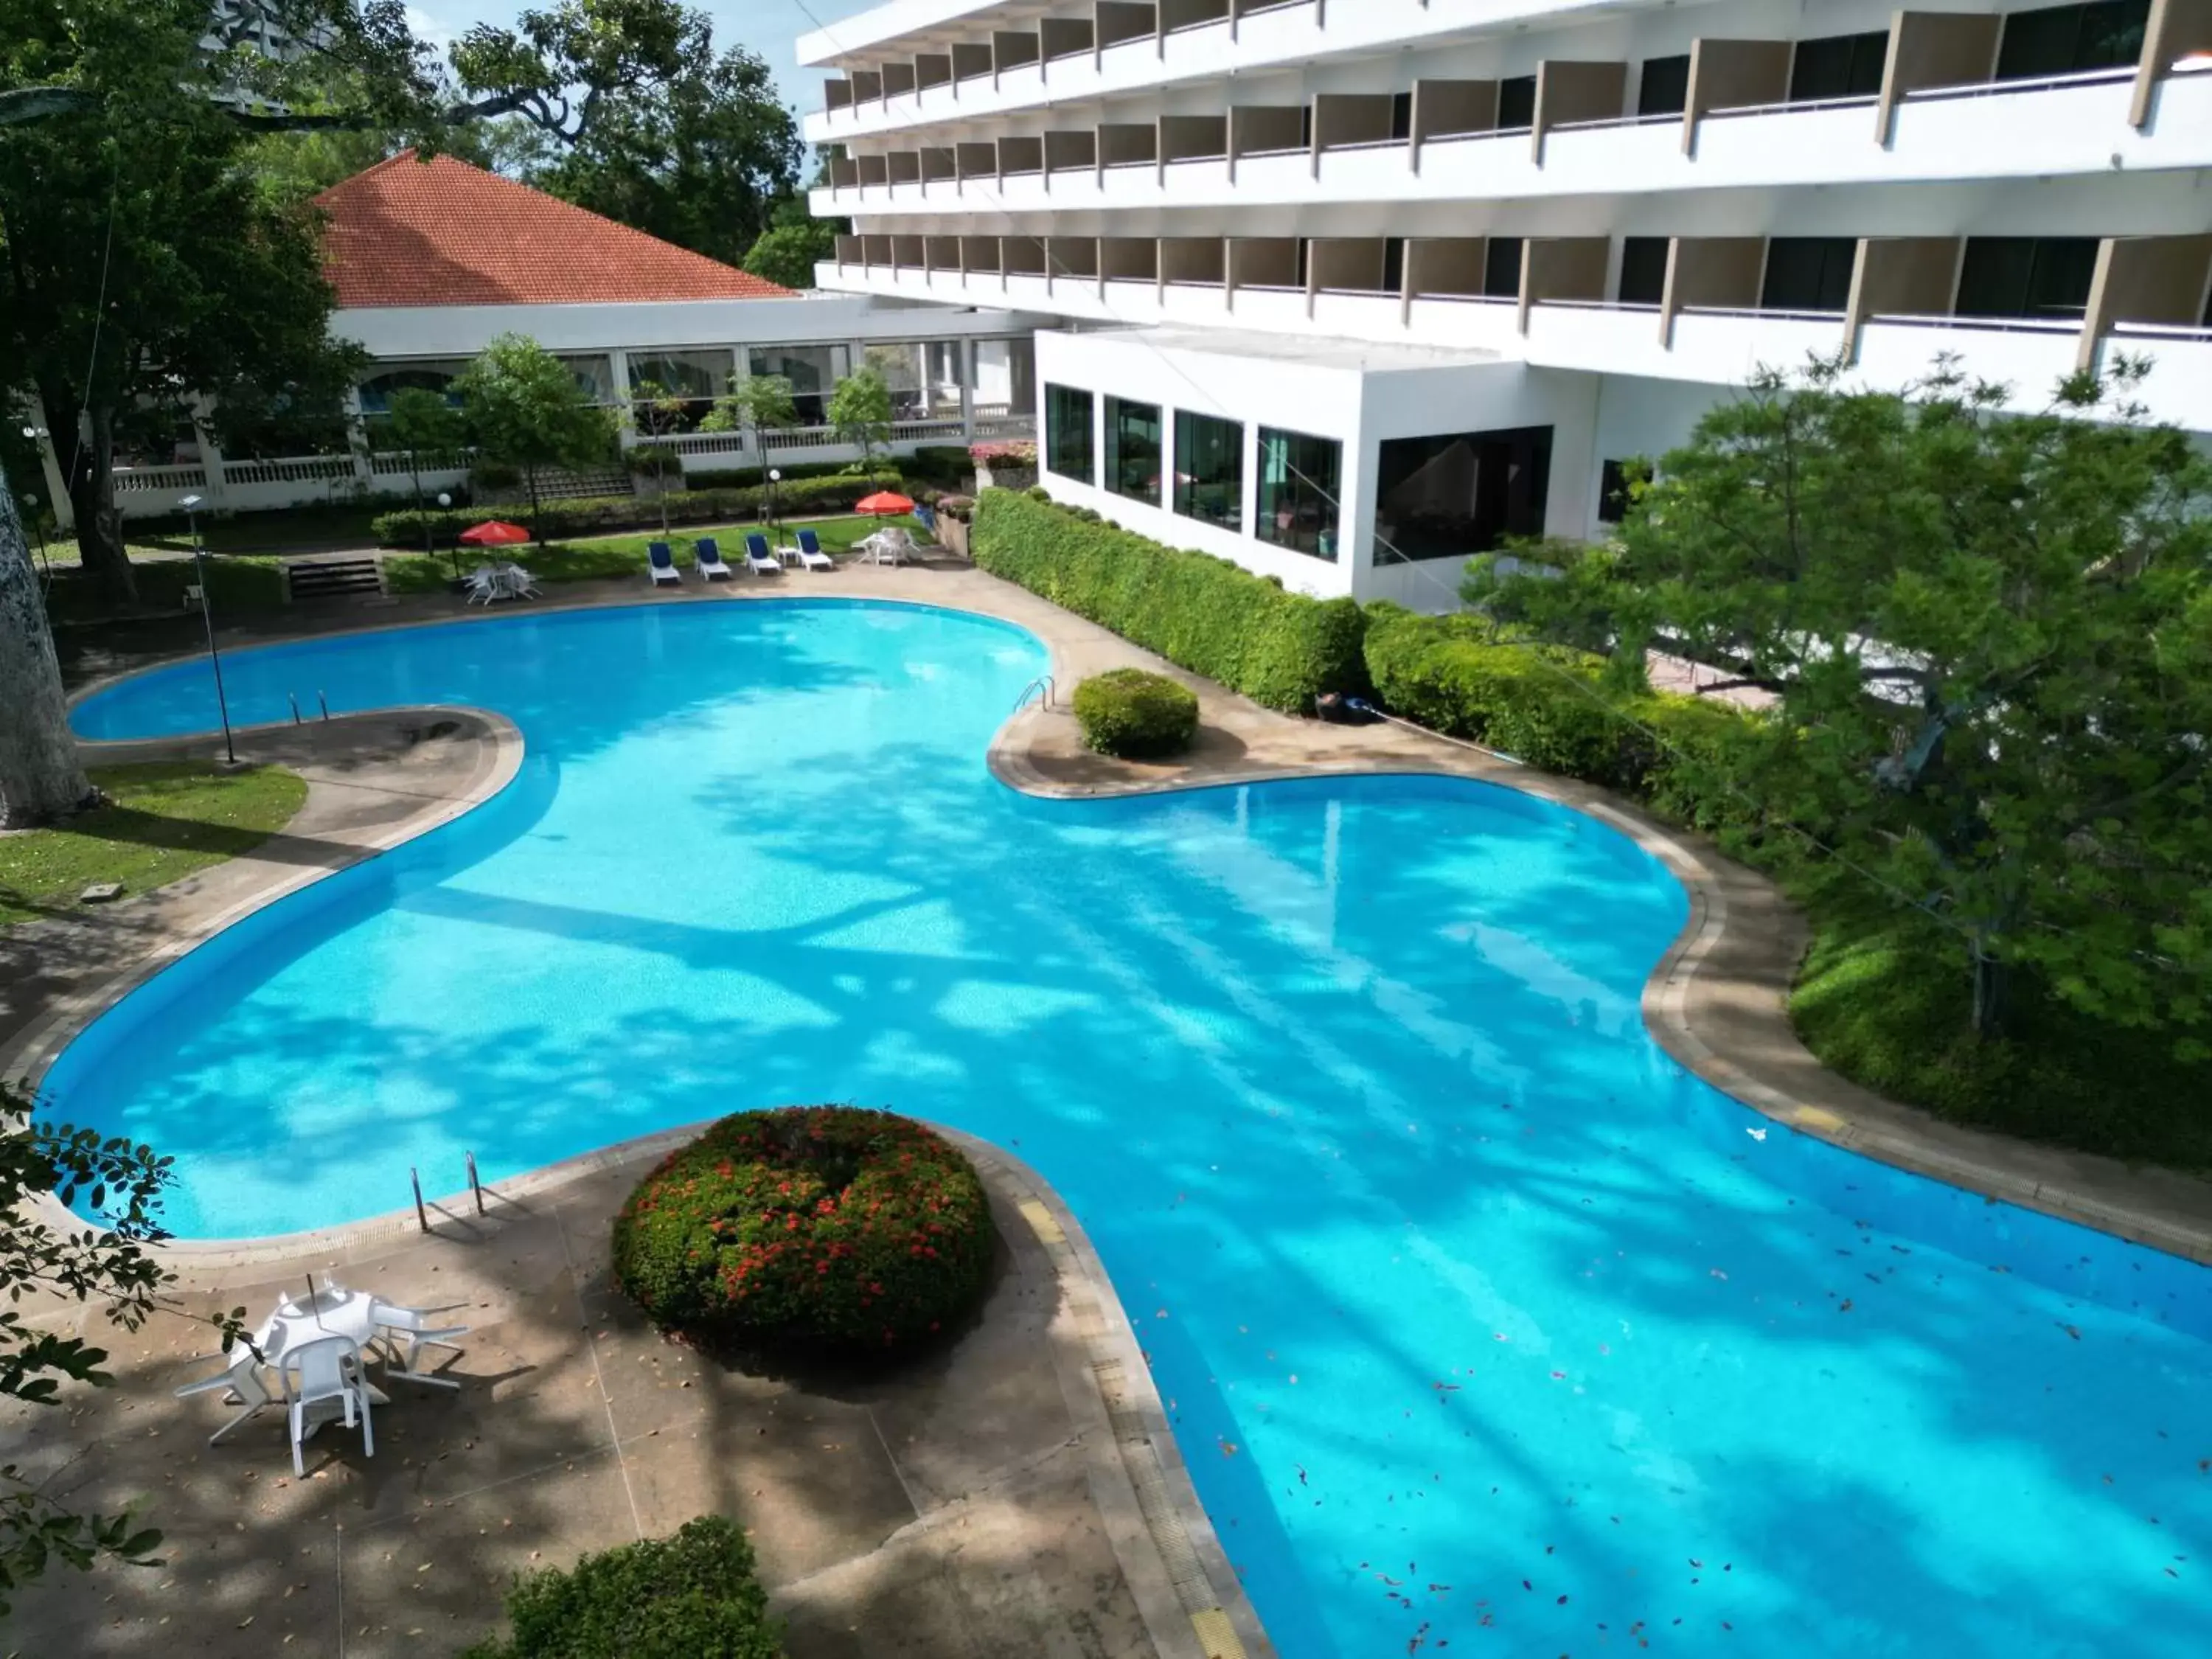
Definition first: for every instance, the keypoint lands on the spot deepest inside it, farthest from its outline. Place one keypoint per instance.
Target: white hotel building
(1351, 288)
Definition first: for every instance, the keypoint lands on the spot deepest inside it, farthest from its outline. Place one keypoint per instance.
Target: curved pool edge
(1716, 1000)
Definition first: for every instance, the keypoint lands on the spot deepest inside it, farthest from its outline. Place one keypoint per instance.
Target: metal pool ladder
(1043, 684)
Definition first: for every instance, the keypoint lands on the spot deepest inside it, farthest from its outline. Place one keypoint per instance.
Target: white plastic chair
(329, 1368)
(240, 1385)
(414, 1324)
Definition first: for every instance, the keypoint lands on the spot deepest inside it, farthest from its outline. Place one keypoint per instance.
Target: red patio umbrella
(495, 532)
(885, 504)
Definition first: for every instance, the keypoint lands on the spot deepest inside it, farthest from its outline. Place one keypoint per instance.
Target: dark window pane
(1501, 268)
(1807, 273)
(1133, 450)
(1402, 115)
(1069, 441)
(1643, 270)
(1516, 103)
(1665, 89)
(1299, 477)
(1209, 481)
(1445, 496)
(1611, 492)
(2026, 276)
(2063, 39)
(1839, 66)
(1393, 264)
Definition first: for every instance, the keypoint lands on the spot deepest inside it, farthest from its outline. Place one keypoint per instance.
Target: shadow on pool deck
(945, 1511)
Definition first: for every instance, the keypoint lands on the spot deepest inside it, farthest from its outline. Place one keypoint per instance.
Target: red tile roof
(442, 232)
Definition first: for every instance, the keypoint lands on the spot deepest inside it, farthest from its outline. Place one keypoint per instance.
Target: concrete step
(343, 577)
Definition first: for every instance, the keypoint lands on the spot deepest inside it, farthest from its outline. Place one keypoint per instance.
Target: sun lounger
(811, 554)
(758, 556)
(662, 563)
(710, 555)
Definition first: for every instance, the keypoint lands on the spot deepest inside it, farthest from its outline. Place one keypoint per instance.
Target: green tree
(658, 414)
(794, 243)
(860, 411)
(106, 1264)
(419, 423)
(1988, 641)
(699, 158)
(525, 408)
(762, 402)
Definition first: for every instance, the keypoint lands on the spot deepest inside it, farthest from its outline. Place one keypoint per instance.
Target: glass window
(1006, 376)
(1808, 273)
(596, 376)
(1070, 440)
(1299, 478)
(1665, 87)
(813, 372)
(2026, 275)
(2062, 40)
(376, 390)
(1613, 488)
(1839, 66)
(1501, 268)
(1516, 103)
(697, 378)
(1393, 264)
(1445, 496)
(1643, 270)
(1209, 475)
(1133, 450)
(1402, 115)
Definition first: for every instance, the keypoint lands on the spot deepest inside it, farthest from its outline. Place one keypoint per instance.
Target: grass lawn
(160, 823)
(1884, 999)
(233, 584)
(599, 558)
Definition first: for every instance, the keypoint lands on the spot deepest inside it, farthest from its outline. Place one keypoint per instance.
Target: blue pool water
(1481, 1324)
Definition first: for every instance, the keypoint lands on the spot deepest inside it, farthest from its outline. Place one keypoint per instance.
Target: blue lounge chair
(662, 564)
(709, 556)
(758, 556)
(811, 554)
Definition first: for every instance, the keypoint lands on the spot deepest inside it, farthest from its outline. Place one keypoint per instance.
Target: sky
(770, 28)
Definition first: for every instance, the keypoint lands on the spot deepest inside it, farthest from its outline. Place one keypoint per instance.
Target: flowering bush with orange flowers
(826, 1225)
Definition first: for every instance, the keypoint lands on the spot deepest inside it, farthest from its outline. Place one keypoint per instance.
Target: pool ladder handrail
(1043, 682)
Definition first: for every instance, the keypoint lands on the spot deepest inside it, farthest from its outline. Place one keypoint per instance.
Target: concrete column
(1912, 276)
(1710, 271)
(2174, 28)
(2144, 279)
(1562, 268)
(1733, 75)
(1567, 90)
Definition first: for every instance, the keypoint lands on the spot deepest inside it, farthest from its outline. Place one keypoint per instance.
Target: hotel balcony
(1575, 142)
(1716, 318)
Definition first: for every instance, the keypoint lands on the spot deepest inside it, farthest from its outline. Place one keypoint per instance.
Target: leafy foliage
(837, 493)
(860, 411)
(1989, 642)
(824, 1226)
(763, 402)
(108, 1265)
(794, 242)
(1135, 713)
(693, 1596)
(1201, 613)
(524, 408)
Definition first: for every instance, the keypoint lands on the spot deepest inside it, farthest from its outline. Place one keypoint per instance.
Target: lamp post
(453, 551)
(192, 506)
(774, 478)
(39, 435)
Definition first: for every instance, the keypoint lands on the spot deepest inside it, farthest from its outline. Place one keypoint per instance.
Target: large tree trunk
(99, 520)
(40, 777)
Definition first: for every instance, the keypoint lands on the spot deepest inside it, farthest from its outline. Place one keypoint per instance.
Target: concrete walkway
(1018, 1495)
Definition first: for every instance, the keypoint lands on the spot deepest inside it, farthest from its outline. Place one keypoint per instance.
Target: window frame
(1059, 401)
(1304, 488)
(1186, 483)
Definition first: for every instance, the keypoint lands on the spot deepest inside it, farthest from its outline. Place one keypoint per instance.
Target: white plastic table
(333, 1312)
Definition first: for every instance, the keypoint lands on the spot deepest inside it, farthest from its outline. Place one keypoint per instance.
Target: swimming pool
(1478, 1322)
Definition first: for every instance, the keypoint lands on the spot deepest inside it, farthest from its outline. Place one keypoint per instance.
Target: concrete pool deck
(1014, 1531)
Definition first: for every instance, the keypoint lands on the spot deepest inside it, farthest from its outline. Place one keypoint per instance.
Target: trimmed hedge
(749, 478)
(826, 1226)
(592, 515)
(1135, 713)
(1548, 707)
(1205, 614)
(946, 465)
(695, 1595)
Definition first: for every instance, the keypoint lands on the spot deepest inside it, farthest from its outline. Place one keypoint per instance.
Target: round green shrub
(820, 1226)
(1135, 713)
(690, 1596)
